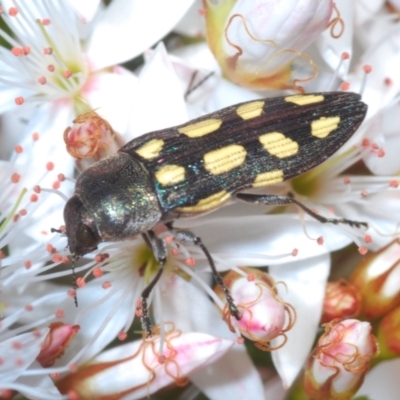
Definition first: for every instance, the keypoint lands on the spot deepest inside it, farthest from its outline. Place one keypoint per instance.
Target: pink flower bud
(91, 139)
(263, 315)
(255, 42)
(342, 300)
(377, 278)
(138, 369)
(389, 335)
(57, 340)
(336, 368)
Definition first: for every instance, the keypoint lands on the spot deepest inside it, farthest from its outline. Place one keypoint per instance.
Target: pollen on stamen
(367, 68)
(367, 239)
(46, 21)
(346, 180)
(106, 285)
(34, 198)
(16, 345)
(139, 308)
(56, 258)
(60, 313)
(17, 51)
(67, 73)
(47, 51)
(23, 212)
(26, 50)
(28, 264)
(13, 11)
(295, 252)
(363, 250)
(19, 100)
(169, 239)
(56, 185)
(345, 55)
(35, 136)
(394, 183)
(18, 149)
(15, 178)
(73, 367)
(16, 218)
(28, 307)
(61, 177)
(190, 262)
(97, 272)
(365, 142)
(345, 86)
(161, 359)
(239, 340)
(50, 248)
(202, 12)
(122, 336)
(364, 193)
(37, 189)
(380, 153)
(55, 375)
(65, 260)
(174, 251)
(71, 293)
(251, 277)
(388, 81)
(50, 68)
(19, 362)
(72, 395)
(42, 80)
(320, 240)
(50, 166)
(80, 282)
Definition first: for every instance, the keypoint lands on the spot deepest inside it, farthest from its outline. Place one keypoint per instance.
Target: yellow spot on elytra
(200, 129)
(151, 149)
(213, 201)
(268, 178)
(278, 144)
(170, 175)
(224, 160)
(322, 127)
(250, 110)
(304, 100)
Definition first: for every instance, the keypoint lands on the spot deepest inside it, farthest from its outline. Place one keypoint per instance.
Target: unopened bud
(342, 300)
(377, 279)
(263, 315)
(389, 335)
(336, 368)
(91, 139)
(255, 42)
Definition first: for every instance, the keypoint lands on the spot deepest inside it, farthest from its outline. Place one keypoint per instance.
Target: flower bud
(342, 300)
(336, 368)
(255, 42)
(137, 369)
(57, 340)
(377, 278)
(263, 315)
(389, 335)
(91, 139)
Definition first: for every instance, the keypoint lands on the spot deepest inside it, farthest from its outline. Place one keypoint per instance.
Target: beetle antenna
(74, 285)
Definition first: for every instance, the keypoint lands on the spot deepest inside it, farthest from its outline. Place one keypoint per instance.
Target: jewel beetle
(197, 167)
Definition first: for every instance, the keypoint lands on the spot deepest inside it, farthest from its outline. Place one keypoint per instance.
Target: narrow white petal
(85, 9)
(305, 291)
(233, 377)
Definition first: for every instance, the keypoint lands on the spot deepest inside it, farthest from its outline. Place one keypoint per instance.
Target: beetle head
(82, 234)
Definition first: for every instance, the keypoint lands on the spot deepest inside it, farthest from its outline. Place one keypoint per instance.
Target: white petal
(85, 9)
(127, 28)
(198, 314)
(382, 382)
(233, 377)
(15, 361)
(111, 95)
(305, 291)
(259, 240)
(158, 101)
(192, 23)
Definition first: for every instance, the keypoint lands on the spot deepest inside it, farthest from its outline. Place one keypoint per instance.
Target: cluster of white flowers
(63, 58)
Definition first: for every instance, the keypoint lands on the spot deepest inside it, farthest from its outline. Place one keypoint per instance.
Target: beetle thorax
(119, 197)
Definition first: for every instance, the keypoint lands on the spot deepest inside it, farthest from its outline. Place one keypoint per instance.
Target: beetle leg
(190, 238)
(159, 249)
(270, 199)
